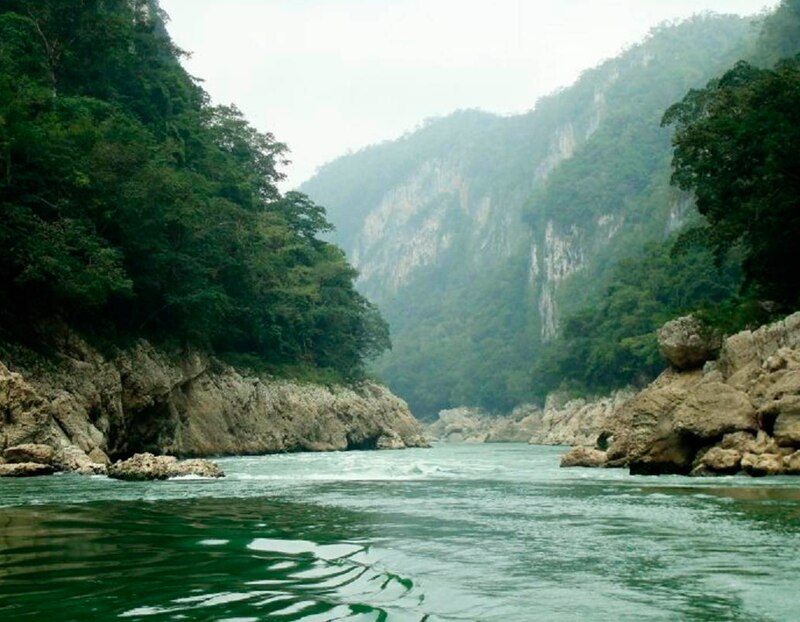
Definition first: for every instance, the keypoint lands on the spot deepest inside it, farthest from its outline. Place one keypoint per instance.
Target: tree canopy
(129, 205)
(737, 148)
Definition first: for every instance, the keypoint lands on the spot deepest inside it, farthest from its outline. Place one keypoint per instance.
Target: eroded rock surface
(687, 342)
(30, 452)
(146, 466)
(584, 457)
(471, 425)
(25, 469)
(739, 413)
(87, 407)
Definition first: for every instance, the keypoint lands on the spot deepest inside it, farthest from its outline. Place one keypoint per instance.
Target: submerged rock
(146, 466)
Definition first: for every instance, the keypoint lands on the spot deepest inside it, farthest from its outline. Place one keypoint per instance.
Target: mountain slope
(476, 233)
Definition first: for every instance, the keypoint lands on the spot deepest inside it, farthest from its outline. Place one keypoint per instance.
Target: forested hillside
(735, 150)
(130, 206)
(478, 235)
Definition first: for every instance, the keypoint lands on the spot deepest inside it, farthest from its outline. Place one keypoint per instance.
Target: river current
(456, 532)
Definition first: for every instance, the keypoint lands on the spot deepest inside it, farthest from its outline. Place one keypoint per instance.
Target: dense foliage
(130, 205)
(613, 344)
(737, 148)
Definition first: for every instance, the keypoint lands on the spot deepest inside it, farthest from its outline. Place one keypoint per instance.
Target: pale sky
(331, 76)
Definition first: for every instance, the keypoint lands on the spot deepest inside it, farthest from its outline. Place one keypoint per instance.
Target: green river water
(456, 532)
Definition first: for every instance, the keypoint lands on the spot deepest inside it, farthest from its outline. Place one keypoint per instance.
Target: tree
(130, 205)
(737, 147)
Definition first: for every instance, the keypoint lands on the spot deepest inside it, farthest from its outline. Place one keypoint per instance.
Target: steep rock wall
(143, 399)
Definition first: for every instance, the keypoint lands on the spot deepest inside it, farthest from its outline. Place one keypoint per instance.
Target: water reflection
(166, 561)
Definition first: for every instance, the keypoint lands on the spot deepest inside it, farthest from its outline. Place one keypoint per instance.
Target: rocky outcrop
(25, 469)
(562, 422)
(584, 457)
(687, 342)
(86, 406)
(471, 425)
(741, 413)
(146, 466)
(579, 421)
(41, 454)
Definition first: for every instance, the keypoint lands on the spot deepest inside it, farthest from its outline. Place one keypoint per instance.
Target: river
(456, 532)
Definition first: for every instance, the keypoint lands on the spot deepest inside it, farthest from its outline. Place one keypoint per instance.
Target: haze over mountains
(477, 234)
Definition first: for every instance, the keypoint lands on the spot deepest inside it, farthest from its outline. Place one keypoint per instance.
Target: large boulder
(720, 461)
(645, 423)
(76, 460)
(687, 342)
(666, 454)
(763, 464)
(146, 466)
(713, 409)
(29, 452)
(584, 457)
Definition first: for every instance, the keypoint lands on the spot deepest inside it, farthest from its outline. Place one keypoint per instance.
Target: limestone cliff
(92, 407)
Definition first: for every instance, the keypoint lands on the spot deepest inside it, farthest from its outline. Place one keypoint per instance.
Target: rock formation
(562, 422)
(740, 413)
(147, 467)
(577, 421)
(687, 342)
(87, 408)
(470, 425)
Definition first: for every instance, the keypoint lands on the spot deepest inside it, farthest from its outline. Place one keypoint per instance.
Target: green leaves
(737, 148)
(126, 200)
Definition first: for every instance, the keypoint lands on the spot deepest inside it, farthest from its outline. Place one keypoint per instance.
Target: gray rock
(687, 343)
(146, 466)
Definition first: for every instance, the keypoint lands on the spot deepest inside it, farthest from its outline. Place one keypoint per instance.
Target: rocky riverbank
(563, 421)
(91, 408)
(738, 413)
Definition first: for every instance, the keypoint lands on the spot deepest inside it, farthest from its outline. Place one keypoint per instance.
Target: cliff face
(143, 399)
